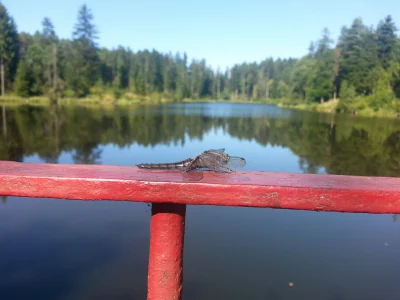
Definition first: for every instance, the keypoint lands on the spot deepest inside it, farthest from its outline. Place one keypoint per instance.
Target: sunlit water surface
(57, 249)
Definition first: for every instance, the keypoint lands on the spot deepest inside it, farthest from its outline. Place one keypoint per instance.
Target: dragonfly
(214, 159)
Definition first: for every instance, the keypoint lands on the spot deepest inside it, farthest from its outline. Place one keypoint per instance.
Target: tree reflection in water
(341, 145)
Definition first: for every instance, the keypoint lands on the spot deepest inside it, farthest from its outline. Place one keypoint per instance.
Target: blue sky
(223, 32)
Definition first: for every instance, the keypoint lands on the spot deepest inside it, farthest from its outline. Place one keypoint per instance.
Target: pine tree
(84, 28)
(50, 40)
(8, 48)
(320, 85)
(386, 40)
(359, 57)
(31, 73)
(84, 66)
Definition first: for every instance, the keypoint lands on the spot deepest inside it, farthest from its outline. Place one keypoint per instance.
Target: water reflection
(339, 144)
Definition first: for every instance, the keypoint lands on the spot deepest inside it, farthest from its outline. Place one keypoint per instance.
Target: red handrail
(253, 189)
(170, 191)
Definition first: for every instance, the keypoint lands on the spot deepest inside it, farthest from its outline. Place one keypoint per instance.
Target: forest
(362, 69)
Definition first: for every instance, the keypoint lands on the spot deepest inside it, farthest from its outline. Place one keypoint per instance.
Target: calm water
(54, 249)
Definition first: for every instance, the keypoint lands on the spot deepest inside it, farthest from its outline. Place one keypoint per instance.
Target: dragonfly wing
(220, 151)
(220, 169)
(235, 162)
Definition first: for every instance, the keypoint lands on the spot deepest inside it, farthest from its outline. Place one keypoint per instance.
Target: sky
(223, 32)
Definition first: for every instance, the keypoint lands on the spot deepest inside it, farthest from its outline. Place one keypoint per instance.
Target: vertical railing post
(167, 230)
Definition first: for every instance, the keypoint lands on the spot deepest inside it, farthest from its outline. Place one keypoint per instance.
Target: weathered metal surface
(252, 189)
(166, 251)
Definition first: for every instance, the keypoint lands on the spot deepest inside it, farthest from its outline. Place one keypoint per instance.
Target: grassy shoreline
(332, 106)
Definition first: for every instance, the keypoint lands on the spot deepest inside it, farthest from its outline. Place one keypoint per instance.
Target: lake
(57, 249)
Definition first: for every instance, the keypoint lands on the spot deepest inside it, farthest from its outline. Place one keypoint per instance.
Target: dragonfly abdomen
(166, 166)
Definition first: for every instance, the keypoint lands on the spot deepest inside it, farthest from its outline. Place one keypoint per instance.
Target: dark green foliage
(49, 43)
(321, 76)
(301, 77)
(30, 78)
(386, 42)
(347, 96)
(24, 80)
(9, 47)
(83, 68)
(347, 92)
(359, 56)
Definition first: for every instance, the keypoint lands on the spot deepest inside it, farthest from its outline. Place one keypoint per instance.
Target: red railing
(170, 192)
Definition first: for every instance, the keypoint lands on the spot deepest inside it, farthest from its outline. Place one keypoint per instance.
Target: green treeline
(340, 144)
(362, 69)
